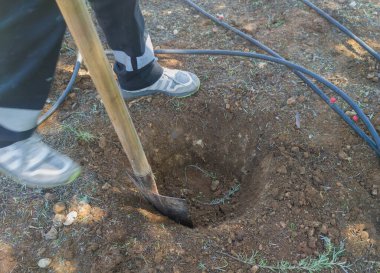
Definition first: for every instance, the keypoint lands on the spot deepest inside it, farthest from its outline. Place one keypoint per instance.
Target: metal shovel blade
(176, 209)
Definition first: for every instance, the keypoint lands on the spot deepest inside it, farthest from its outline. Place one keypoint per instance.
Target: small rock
(228, 106)
(282, 170)
(58, 220)
(375, 191)
(44, 263)
(84, 209)
(343, 156)
(282, 224)
(250, 28)
(175, 32)
(295, 149)
(370, 76)
(324, 229)
(41, 251)
(350, 113)
(364, 235)
(70, 218)
(254, 269)
(302, 170)
(291, 101)
(214, 185)
(106, 186)
(306, 155)
(52, 234)
(301, 98)
(353, 4)
(59, 207)
(102, 142)
(50, 196)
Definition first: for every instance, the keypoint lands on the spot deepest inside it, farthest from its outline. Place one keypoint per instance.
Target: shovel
(82, 28)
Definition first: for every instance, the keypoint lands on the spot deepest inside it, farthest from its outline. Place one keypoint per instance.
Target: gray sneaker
(34, 164)
(173, 82)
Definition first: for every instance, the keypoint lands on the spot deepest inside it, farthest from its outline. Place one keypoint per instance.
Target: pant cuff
(138, 79)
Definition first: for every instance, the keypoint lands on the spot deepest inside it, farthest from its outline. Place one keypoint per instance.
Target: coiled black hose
(64, 94)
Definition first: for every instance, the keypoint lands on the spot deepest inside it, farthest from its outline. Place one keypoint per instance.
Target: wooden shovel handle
(82, 28)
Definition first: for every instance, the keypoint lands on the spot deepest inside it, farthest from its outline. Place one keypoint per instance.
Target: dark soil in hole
(210, 158)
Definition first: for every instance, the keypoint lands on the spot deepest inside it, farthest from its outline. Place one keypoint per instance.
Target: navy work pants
(31, 33)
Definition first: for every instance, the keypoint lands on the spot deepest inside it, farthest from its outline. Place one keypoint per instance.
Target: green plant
(80, 135)
(327, 260)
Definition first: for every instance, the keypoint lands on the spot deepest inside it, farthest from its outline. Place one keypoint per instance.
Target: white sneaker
(34, 164)
(173, 82)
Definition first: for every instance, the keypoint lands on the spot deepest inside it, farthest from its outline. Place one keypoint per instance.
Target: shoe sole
(128, 95)
(71, 179)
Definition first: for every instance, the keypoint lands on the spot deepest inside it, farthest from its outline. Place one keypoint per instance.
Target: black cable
(343, 29)
(64, 94)
(375, 145)
(336, 108)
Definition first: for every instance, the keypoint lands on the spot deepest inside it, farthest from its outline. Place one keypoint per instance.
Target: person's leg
(136, 66)
(31, 33)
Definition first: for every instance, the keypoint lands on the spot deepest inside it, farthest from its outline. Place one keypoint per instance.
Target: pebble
(228, 106)
(302, 170)
(106, 186)
(50, 196)
(353, 4)
(59, 207)
(306, 155)
(175, 32)
(254, 269)
(70, 218)
(295, 149)
(324, 229)
(282, 170)
(291, 101)
(350, 113)
(214, 185)
(342, 155)
(44, 263)
(58, 220)
(52, 234)
(282, 224)
(375, 190)
(250, 28)
(84, 209)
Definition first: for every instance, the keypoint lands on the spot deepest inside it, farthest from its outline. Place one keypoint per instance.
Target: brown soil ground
(256, 183)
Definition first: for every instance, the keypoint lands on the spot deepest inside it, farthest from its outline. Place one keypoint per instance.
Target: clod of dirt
(254, 269)
(291, 101)
(106, 186)
(59, 207)
(52, 234)
(50, 196)
(44, 263)
(70, 218)
(343, 156)
(324, 229)
(375, 190)
(282, 170)
(214, 185)
(58, 220)
(84, 209)
(295, 149)
(250, 28)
